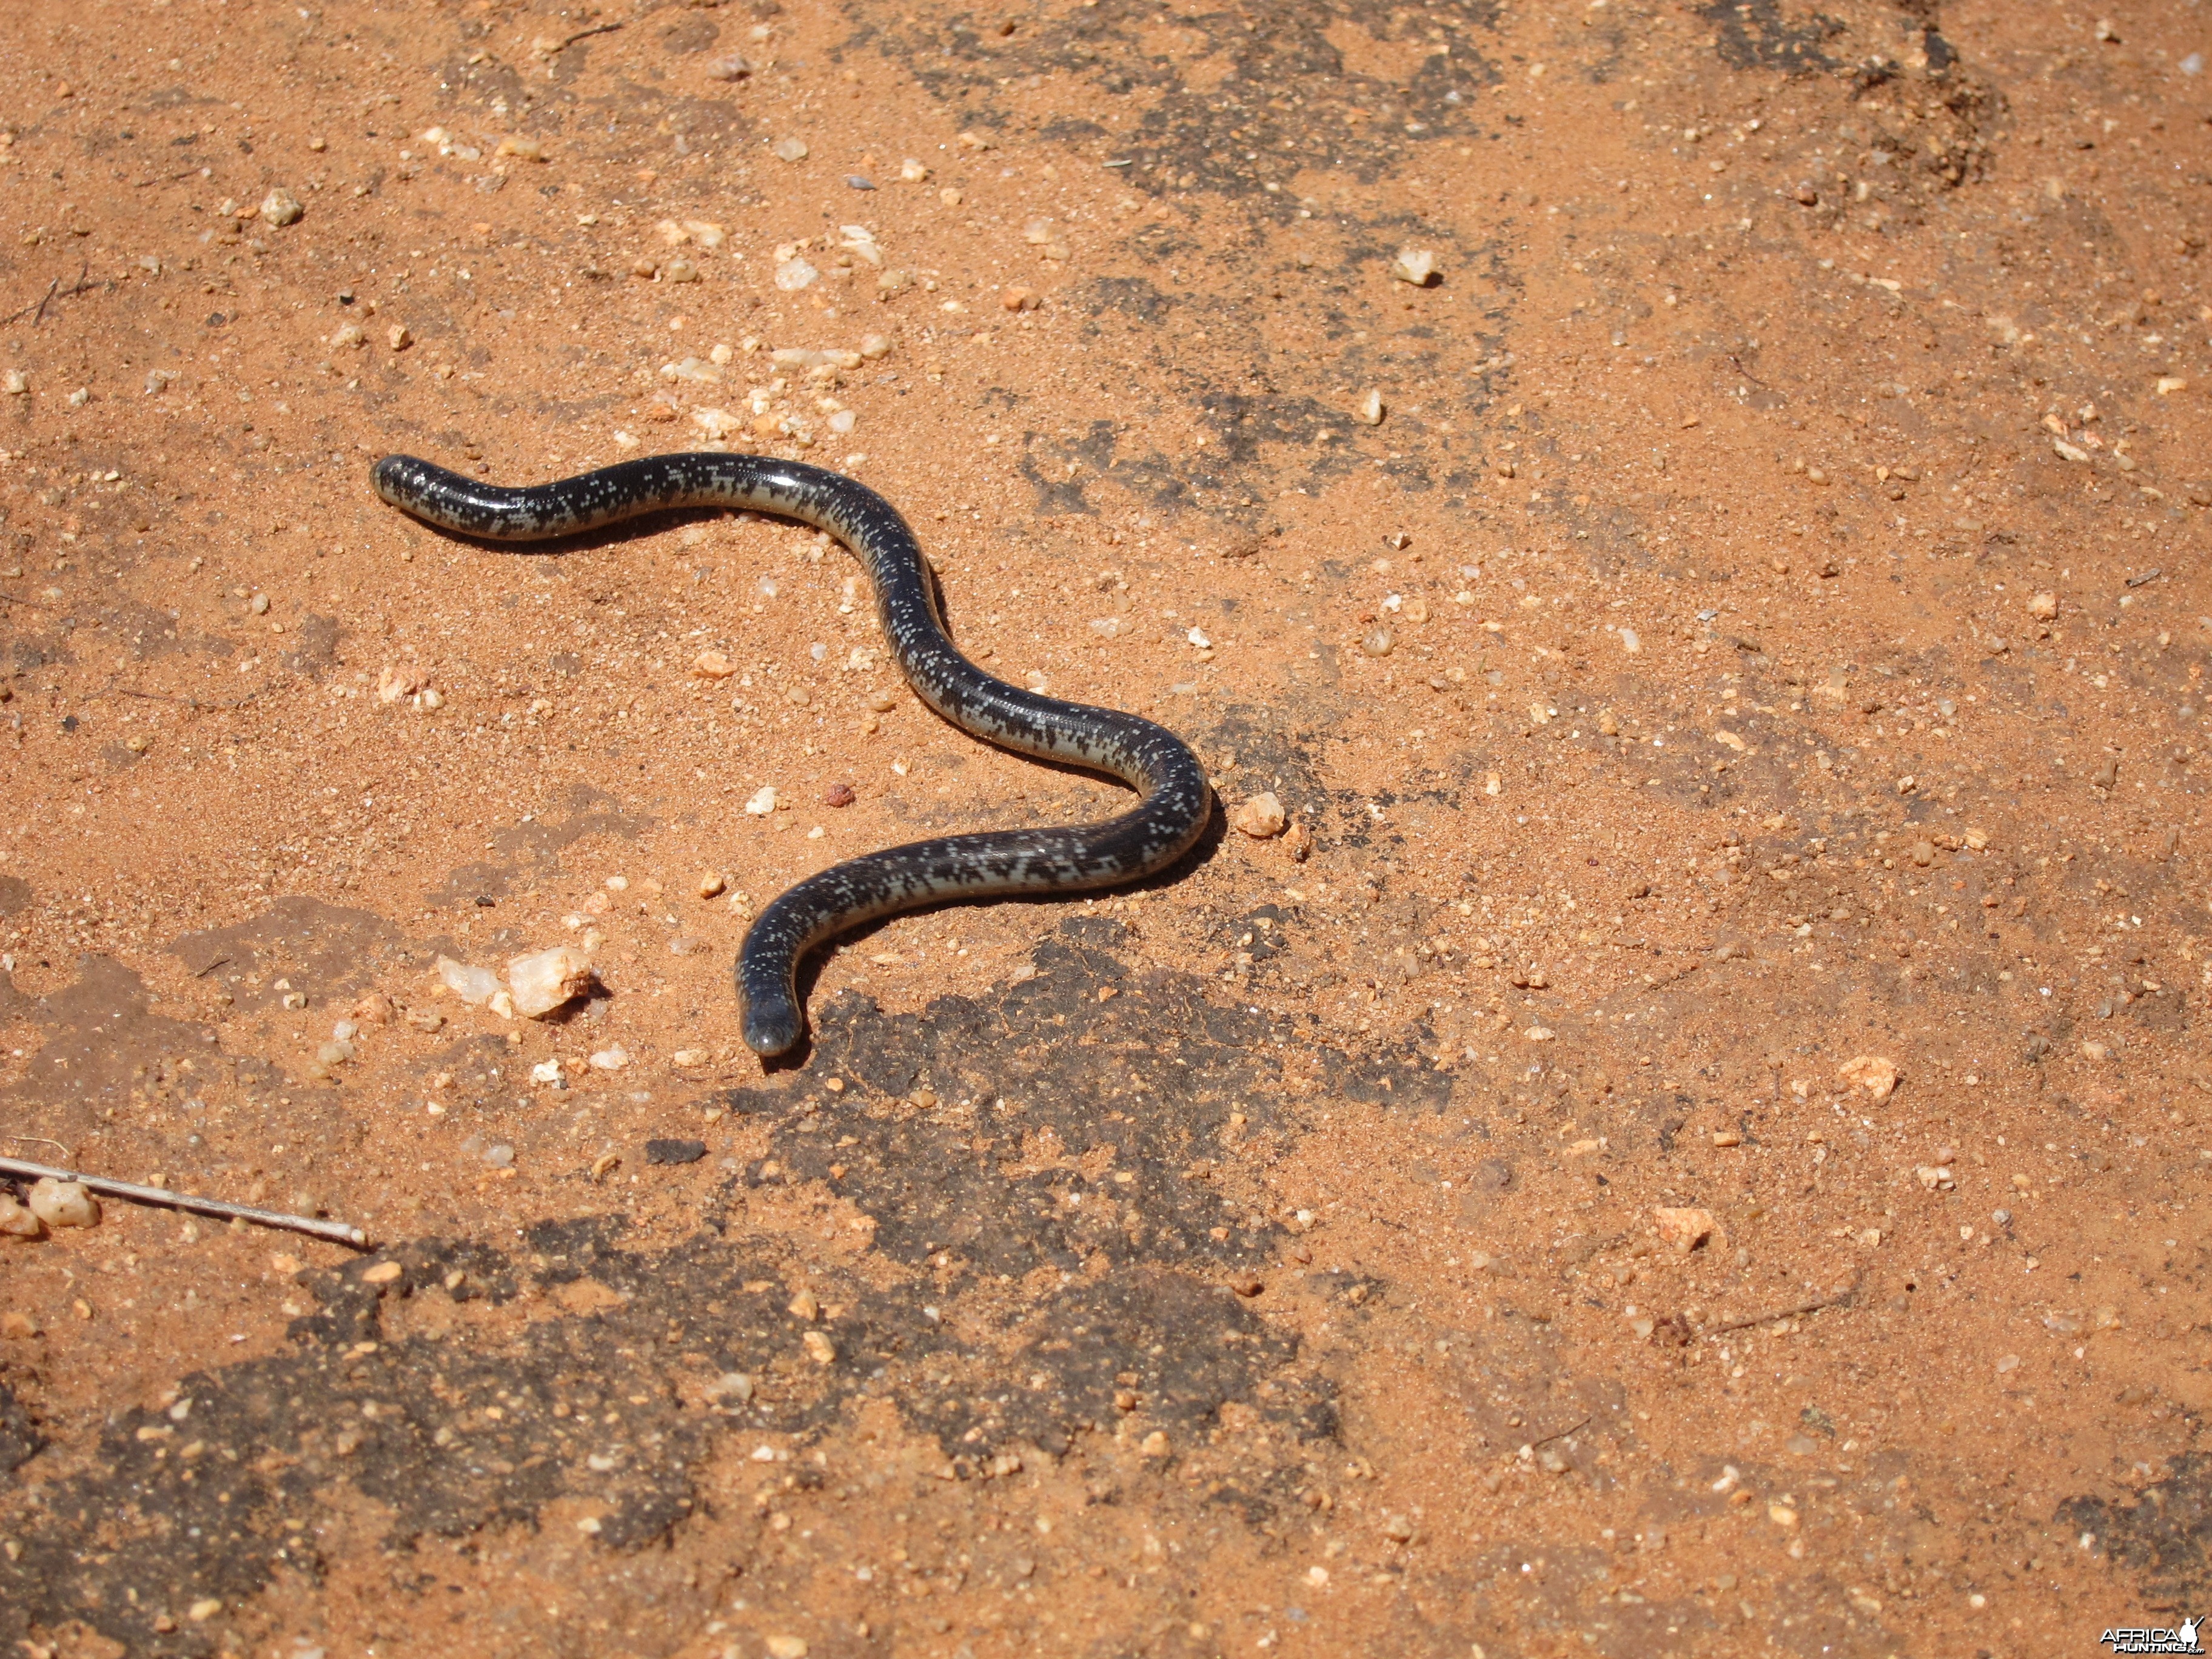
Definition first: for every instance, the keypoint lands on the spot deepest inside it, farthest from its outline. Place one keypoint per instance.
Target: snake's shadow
(810, 968)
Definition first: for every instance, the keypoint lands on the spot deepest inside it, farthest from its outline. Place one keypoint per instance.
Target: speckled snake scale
(1173, 797)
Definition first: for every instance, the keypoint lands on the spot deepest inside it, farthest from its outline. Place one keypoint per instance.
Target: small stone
(1873, 1074)
(1298, 843)
(790, 149)
(803, 1305)
(1377, 643)
(15, 383)
(500, 1156)
(1935, 1177)
(1370, 409)
(2167, 385)
(522, 148)
(611, 1059)
(732, 1385)
(763, 802)
(1923, 854)
(1726, 1138)
(839, 794)
(1397, 1528)
(18, 1220)
(2042, 606)
(544, 979)
(1782, 1514)
(1608, 723)
(203, 1609)
(711, 666)
(875, 347)
(1018, 299)
(384, 1273)
(1154, 1444)
(949, 196)
(712, 885)
(795, 274)
(912, 171)
(1806, 195)
(674, 1152)
(280, 207)
(728, 67)
(819, 1348)
(1261, 817)
(63, 1203)
(1683, 1228)
(18, 1326)
(787, 1647)
(857, 181)
(347, 335)
(1416, 265)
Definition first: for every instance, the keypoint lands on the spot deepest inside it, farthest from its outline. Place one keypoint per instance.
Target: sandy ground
(1703, 1153)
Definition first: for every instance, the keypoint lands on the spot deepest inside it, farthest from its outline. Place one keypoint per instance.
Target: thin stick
(37, 305)
(1561, 1435)
(1834, 1300)
(338, 1232)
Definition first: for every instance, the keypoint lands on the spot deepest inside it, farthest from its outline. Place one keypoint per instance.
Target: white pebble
(1369, 412)
(474, 986)
(1261, 817)
(1414, 264)
(1629, 643)
(795, 274)
(790, 149)
(280, 207)
(63, 1203)
(15, 383)
(544, 981)
(546, 1072)
(611, 1059)
(763, 801)
(18, 1221)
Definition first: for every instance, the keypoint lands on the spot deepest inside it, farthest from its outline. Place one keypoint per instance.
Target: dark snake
(1175, 800)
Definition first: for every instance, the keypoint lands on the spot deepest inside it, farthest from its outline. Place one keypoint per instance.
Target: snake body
(1175, 798)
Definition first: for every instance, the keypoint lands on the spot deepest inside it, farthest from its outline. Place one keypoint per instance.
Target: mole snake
(1175, 800)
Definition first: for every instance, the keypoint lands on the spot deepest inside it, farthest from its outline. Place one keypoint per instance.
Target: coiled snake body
(1168, 817)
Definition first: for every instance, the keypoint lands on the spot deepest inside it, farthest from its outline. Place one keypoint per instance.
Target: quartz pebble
(543, 979)
(787, 1647)
(713, 883)
(1377, 643)
(610, 1059)
(2042, 606)
(711, 666)
(790, 149)
(15, 383)
(763, 802)
(474, 986)
(728, 67)
(795, 274)
(1873, 1074)
(1416, 265)
(1683, 1228)
(18, 1220)
(280, 207)
(819, 1348)
(63, 1203)
(1370, 409)
(1261, 817)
